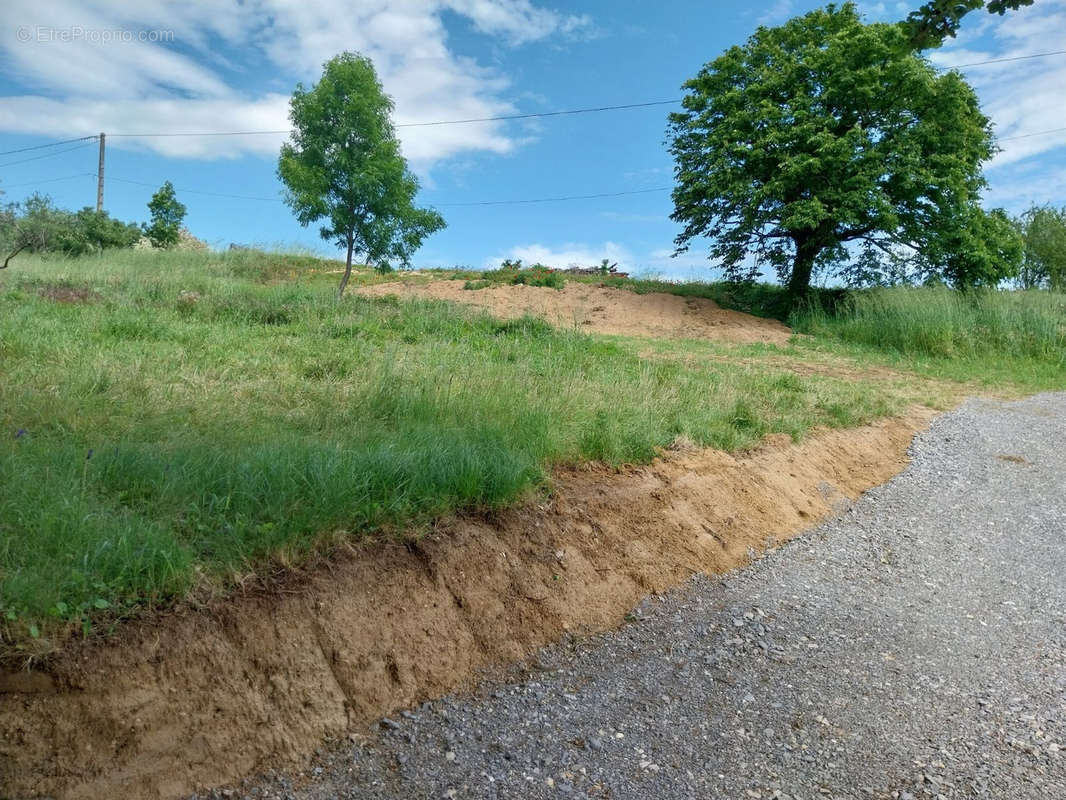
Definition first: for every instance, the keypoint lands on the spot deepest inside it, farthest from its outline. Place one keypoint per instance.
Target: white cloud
(1021, 97)
(566, 255)
(519, 20)
(81, 87)
(780, 11)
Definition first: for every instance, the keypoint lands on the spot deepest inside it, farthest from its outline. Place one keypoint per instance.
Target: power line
(47, 155)
(1027, 135)
(50, 144)
(540, 114)
(501, 118)
(558, 199)
(49, 180)
(478, 203)
(197, 191)
(560, 113)
(1005, 60)
(525, 201)
(195, 133)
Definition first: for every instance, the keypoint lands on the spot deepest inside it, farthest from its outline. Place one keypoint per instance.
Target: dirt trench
(202, 697)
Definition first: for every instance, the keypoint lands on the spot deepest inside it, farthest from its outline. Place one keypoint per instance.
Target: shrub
(37, 226)
(539, 275)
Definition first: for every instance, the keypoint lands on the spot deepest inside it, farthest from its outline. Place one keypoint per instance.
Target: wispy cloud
(1022, 97)
(777, 13)
(566, 255)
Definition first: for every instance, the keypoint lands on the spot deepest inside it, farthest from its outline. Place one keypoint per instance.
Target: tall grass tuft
(940, 322)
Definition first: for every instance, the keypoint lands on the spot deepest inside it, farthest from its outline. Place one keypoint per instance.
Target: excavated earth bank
(601, 309)
(202, 697)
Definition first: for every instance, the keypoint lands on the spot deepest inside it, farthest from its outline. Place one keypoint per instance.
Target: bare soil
(601, 309)
(205, 696)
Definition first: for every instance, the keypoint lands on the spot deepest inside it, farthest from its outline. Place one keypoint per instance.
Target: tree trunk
(347, 270)
(799, 283)
(14, 253)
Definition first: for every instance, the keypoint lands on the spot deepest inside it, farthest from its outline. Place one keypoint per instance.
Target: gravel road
(914, 646)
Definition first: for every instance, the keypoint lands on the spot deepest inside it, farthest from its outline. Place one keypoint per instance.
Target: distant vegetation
(1043, 231)
(36, 225)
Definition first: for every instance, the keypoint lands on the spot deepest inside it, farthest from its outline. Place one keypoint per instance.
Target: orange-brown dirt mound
(203, 697)
(600, 309)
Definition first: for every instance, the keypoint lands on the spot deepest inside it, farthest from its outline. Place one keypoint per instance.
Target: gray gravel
(912, 647)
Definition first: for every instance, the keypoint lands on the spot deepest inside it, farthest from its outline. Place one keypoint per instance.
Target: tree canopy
(164, 228)
(938, 20)
(1043, 231)
(826, 140)
(344, 167)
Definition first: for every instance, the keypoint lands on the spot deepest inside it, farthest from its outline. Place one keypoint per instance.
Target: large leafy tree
(826, 140)
(938, 20)
(344, 168)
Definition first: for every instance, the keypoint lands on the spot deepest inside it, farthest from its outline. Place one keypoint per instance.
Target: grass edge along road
(172, 422)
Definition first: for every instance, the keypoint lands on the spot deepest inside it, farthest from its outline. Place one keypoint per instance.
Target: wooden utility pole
(100, 178)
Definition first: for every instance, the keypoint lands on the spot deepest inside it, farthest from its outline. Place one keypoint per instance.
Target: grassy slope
(192, 417)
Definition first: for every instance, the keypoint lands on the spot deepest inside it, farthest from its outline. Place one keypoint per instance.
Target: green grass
(976, 334)
(172, 422)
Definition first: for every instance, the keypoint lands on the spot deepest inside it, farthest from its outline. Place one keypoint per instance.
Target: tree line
(36, 225)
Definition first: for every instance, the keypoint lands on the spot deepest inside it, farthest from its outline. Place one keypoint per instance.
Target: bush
(37, 226)
(539, 275)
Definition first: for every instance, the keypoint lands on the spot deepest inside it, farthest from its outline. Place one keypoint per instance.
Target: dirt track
(602, 310)
(913, 647)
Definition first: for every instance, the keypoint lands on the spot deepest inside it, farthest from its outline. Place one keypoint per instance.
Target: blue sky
(76, 67)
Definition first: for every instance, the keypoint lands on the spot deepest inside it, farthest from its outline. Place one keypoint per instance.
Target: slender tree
(164, 228)
(344, 168)
(823, 137)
